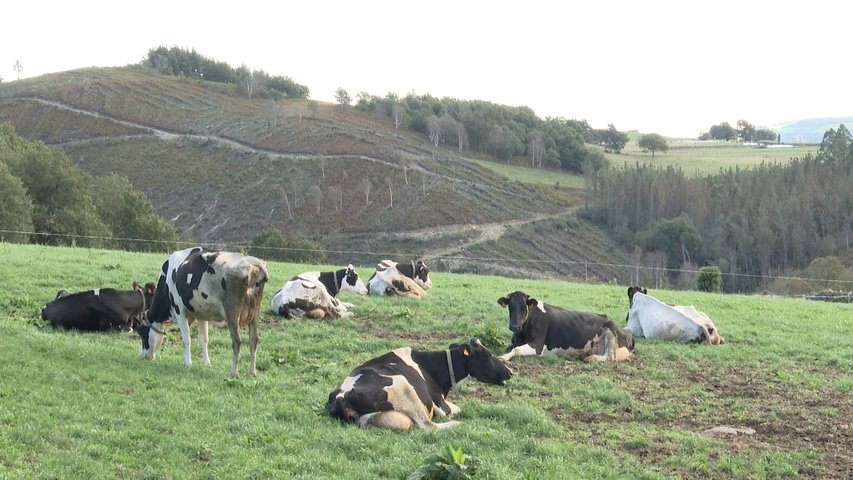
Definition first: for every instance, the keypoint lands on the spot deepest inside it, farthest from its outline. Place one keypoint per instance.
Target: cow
(99, 310)
(203, 285)
(312, 294)
(650, 318)
(407, 387)
(540, 329)
(392, 278)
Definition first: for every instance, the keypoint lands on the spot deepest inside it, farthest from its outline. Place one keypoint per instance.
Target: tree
(710, 279)
(398, 111)
(746, 131)
(316, 194)
(535, 148)
(614, 140)
(434, 129)
(723, 131)
(653, 142)
(836, 145)
(366, 186)
(343, 98)
(17, 212)
(18, 67)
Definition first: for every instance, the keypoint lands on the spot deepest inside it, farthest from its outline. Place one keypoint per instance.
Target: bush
(710, 279)
(449, 464)
(271, 244)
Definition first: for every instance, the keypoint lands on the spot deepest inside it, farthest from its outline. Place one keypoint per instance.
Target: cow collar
(142, 292)
(414, 271)
(452, 374)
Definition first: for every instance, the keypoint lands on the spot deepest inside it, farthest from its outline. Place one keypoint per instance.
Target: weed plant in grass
(86, 406)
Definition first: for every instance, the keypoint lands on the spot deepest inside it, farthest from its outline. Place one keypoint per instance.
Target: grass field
(709, 158)
(85, 406)
(534, 175)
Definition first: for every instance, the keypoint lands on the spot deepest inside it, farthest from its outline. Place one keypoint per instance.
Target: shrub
(449, 464)
(271, 244)
(710, 279)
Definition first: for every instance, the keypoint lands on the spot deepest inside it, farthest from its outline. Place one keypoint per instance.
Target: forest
(767, 220)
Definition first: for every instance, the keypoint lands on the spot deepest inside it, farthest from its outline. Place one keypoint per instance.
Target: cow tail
(340, 408)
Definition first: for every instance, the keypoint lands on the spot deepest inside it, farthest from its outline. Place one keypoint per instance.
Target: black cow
(540, 329)
(100, 310)
(407, 387)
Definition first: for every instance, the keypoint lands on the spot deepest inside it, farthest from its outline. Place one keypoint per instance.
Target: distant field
(705, 158)
(534, 175)
(86, 406)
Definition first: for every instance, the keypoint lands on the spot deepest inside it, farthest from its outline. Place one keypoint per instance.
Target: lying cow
(540, 329)
(650, 318)
(392, 278)
(312, 294)
(203, 285)
(407, 387)
(101, 309)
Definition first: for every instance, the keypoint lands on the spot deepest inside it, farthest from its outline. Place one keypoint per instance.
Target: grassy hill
(221, 166)
(86, 406)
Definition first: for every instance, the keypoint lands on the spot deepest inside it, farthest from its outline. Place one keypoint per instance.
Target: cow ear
(150, 288)
(532, 301)
(466, 350)
(645, 292)
(503, 301)
(137, 286)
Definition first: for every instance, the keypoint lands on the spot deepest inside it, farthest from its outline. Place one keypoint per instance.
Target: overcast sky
(674, 68)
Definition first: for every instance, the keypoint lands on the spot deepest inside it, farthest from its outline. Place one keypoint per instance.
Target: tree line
(42, 191)
(761, 221)
(744, 131)
(189, 63)
(499, 131)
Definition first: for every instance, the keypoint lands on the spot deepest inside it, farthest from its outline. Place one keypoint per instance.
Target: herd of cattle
(397, 390)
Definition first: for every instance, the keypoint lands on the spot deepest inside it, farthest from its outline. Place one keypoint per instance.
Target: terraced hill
(221, 167)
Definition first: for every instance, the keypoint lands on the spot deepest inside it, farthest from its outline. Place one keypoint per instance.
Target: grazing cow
(540, 329)
(650, 318)
(101, 309)
(312, 294)
(392, 278)
(202, 285)
(406, 387)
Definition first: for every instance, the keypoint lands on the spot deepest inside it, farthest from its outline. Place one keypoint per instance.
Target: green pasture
(534, 175)
(86, 406)
(708, 158)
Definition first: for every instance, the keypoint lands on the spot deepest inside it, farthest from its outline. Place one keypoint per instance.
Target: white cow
(392, 278)
(313, 294)
(650, 318)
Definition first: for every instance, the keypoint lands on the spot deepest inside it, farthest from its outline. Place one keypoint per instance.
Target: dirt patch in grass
(376, 326)
(787, 417)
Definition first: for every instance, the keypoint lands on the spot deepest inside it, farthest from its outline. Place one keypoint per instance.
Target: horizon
(576, 62)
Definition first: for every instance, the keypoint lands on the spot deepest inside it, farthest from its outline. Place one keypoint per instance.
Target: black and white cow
(406, 387)
(101, 309)
(202, 285)
(392, 278)
(650, 318)
(313, 294)
(540, 329)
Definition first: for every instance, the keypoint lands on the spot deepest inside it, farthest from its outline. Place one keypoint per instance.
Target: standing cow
(392, 278)
(203, 285)
(313, 294)
(101, 309)
(406, 387)
(540, 329)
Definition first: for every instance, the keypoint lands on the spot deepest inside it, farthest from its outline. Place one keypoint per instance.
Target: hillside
(221, 167)
(810, 130)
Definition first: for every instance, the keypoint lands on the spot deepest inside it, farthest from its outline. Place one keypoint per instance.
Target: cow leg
(202, 340)
(523, 350)
(235, 344)
(450, 407)
(185, 338)
(254, 339)
(403, 397)
(391, 420)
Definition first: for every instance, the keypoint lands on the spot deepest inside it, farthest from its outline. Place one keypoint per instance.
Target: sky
(668, 67)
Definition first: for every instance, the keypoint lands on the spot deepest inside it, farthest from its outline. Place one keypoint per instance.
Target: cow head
(632, 291)
(422, 275)
(482, 365)
(519, 304)
(350, 281)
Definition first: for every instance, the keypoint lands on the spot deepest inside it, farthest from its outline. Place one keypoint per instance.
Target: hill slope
(221, 167)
